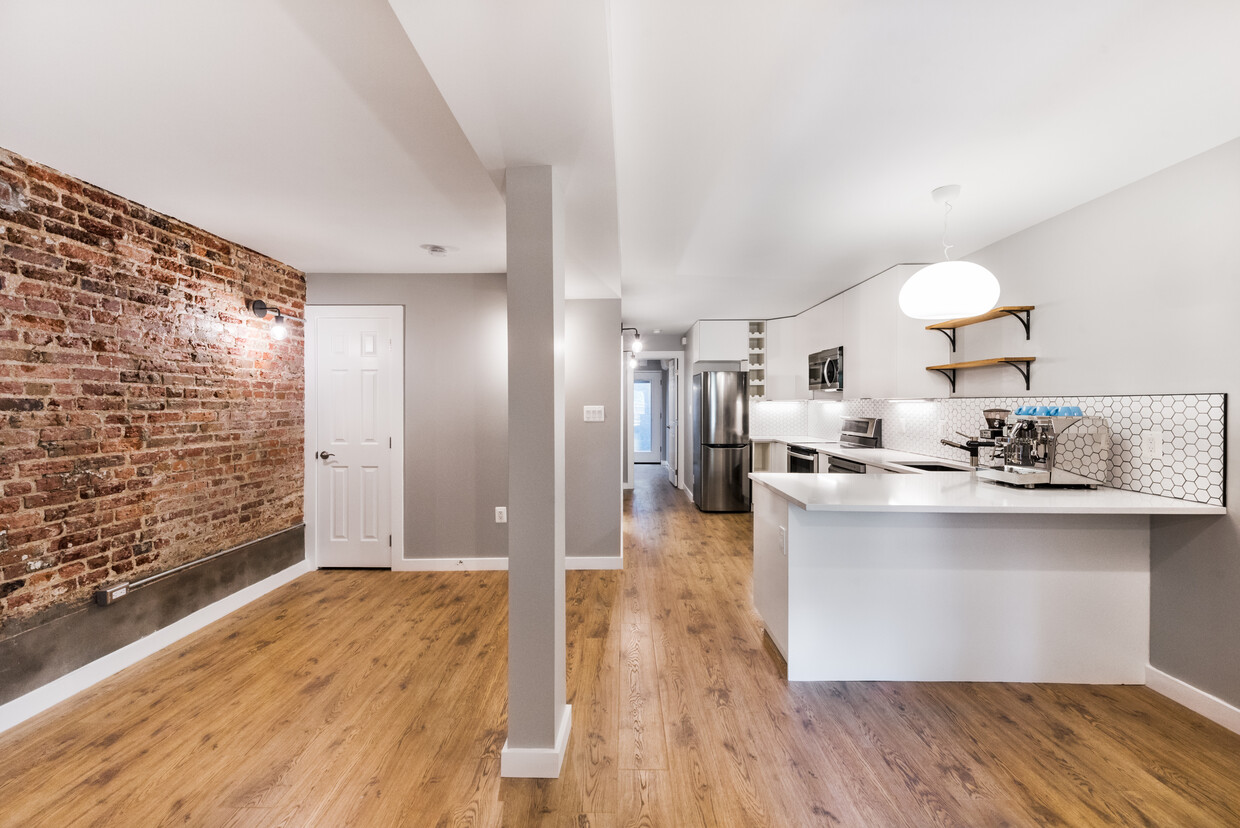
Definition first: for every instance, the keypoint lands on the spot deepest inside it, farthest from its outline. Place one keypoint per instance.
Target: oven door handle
(802, 456)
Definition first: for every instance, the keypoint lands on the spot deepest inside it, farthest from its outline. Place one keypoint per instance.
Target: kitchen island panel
(952, 597)
(770, 564)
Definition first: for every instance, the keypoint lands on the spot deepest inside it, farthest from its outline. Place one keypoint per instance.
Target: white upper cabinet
(885, 352)
(785, 364)
(722, 340)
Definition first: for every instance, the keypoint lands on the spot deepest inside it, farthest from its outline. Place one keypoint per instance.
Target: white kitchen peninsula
(941, 577)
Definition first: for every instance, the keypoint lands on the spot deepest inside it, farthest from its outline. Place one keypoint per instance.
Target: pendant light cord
(947, 208)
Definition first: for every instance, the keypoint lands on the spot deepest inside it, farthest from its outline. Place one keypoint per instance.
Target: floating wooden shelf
(949, 370)
(1018, 312)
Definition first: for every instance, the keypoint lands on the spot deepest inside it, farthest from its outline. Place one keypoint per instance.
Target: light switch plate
(592, 413)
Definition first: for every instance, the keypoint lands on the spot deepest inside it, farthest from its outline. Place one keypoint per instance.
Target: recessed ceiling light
(435, 249)
(657, 330)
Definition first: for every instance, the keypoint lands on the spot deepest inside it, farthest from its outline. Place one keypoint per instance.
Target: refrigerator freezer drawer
(722, 481)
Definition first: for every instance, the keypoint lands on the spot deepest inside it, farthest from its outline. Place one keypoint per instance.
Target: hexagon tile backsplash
(1190, 466)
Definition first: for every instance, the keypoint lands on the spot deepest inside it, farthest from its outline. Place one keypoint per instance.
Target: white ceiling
(722, 158)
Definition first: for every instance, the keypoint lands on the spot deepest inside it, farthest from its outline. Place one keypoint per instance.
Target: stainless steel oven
(802, 459)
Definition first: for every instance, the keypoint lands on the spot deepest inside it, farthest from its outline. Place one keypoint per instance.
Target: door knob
(323, 455)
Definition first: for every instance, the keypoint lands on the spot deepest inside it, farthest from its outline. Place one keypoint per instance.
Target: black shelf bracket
(950, 373)
(1024, 372)
(1023, 317)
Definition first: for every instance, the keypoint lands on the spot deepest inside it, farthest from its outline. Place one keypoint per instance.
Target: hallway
(377, 699)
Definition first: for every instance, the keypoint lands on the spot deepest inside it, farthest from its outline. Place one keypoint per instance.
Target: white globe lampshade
(949, 290)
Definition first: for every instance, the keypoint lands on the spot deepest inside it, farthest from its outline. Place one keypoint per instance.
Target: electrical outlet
(944, 431)
(1152, 446)
(501, 514)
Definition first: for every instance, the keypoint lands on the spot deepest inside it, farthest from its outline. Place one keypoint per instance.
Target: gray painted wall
(1139, 292)
(456, 403)
(593, 376)
(536, 485)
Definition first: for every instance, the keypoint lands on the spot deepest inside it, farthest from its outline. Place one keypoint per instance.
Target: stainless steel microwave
(826, 370)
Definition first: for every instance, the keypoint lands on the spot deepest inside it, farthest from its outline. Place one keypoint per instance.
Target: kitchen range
(855, 433)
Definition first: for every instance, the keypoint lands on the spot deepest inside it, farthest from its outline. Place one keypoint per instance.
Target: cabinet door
(784, 362)
(779, 458)
(723, 340)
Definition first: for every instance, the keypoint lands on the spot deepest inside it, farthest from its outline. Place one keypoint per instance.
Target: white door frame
(671, 419)
(657, 402)
(682, 448)
(396, 398)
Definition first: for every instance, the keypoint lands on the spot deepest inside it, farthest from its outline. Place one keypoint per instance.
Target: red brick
(146, 423)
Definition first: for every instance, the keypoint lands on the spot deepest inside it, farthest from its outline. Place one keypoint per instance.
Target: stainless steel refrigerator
(721, 441)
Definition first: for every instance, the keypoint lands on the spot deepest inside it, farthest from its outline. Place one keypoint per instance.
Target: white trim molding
(1199, 701)
(448, 564)
(481, 564)
(538, 763)
(36, 701)
(594, 561)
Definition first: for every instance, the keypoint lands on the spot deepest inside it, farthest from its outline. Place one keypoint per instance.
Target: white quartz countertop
(961, 492)
(799, 439)
(888, 458)
(883, 458)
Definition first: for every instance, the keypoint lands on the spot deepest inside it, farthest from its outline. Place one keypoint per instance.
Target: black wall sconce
(278, 329)
(637, 339)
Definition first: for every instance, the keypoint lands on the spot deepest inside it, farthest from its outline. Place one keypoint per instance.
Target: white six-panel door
(352, 424)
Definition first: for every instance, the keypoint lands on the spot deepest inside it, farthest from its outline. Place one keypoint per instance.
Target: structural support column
(539, 720)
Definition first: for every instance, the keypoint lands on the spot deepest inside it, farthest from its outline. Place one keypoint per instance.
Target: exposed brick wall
(146, 417)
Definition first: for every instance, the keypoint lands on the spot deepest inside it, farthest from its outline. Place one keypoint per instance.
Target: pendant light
(949, 289)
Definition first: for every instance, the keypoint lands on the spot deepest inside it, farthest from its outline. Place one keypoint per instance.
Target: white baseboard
(594, 562)
(480, 564)
(54, 692)
(1199, 701)
(448, 564)
(538, 763)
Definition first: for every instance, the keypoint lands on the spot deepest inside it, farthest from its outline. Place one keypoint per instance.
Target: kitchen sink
(933, 467)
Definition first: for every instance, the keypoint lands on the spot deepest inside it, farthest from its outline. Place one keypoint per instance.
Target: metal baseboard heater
(115, 592)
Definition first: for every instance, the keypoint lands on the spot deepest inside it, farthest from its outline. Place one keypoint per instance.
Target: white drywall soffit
(722, 160)
(770, 155)
(530, 84)
(307, 130)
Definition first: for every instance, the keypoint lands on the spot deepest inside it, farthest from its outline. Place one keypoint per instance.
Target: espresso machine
(1049, 451)
(989, 437)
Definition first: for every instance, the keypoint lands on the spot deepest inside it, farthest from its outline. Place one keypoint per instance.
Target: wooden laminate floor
(378, 699)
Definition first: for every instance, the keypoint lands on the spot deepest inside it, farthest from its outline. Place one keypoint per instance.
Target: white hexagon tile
(1190, 466)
